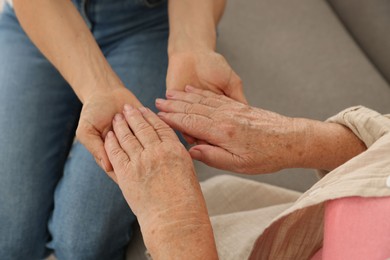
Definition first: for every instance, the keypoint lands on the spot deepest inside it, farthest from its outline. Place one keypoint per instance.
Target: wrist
(94, 87)
(187, 43)
(296, 131)
(193, 24)
(97, 77)
(192, 36)
(180, 236)
(326, 146)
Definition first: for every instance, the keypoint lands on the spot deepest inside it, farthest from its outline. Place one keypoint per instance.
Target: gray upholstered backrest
(368, 22)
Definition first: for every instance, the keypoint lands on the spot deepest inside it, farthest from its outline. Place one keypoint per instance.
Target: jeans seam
(152, 3)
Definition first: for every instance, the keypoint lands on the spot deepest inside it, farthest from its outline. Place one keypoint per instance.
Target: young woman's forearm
(193, 24)
(60, 33)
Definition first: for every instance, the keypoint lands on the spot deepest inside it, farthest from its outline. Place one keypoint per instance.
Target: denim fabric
(53, 196)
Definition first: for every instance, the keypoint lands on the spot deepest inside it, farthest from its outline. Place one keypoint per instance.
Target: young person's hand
(205, 70)
(96, 120)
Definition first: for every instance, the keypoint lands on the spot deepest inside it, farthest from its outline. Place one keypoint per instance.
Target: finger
(213, 156)
(193, 98)
(144, 132)
(189, 139)
(163, 131)
(116, 154)
(198, 142)
(125, 136)
(92, 140)
(234, 89)
(178, 106)
(189, 124)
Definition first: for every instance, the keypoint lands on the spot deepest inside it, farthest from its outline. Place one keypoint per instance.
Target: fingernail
(143, 110)
(189, 88)
(169, 94)
(195, 154)
(128, 107)
(160, 101)
(118, 117)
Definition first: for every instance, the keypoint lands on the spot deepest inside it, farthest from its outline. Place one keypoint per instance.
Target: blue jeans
(53, 196)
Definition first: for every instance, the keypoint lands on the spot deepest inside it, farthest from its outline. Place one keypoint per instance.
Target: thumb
(92, 140)
(213, 156)
(234, 89)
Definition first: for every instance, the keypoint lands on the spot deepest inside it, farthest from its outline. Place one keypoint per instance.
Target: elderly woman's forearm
(326, 146)
(186, 235)
(58, 30)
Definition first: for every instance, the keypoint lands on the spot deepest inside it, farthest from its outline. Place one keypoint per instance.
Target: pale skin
(157, 177)
(66, 41)
(244, 139)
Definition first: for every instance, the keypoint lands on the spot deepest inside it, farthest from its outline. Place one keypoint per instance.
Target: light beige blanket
(260, 221)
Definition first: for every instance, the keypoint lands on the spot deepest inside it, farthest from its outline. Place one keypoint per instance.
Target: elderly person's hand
(204, 69)
(157, 178)
(234, 136)
(96, 117)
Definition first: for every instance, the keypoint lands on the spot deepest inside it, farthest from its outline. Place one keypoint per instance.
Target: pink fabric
(356, 228)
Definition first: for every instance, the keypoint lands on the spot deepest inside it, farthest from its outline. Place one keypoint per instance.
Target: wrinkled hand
(157, 178)
(206, 70)
(234, 136)
(152, 167)
(96, 118)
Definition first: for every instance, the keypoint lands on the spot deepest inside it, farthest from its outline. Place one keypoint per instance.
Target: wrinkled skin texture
(158, 181)
(152, 167)
(231, 135)
(205, 69)
(96, 120)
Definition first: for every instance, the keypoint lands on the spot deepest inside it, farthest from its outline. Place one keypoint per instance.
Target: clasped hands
(227, 134)
(144, 149)
(156, 174)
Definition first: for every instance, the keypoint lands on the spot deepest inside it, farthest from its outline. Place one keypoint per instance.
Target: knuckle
(188, 121)
(166, 131)
(205, 101)
(123, 161)
(120, 158)
(160, 126)
(116, 152)
(188, 108)
(142, 126)
(173, 150)
(127, 138)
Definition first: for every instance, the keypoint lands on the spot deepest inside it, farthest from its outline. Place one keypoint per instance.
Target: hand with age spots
(244, 139)
(158, 181)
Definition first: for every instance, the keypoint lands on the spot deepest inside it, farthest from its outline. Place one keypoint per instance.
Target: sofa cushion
(368, 23)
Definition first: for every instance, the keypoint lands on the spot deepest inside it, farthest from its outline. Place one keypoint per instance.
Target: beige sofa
(309, 58)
